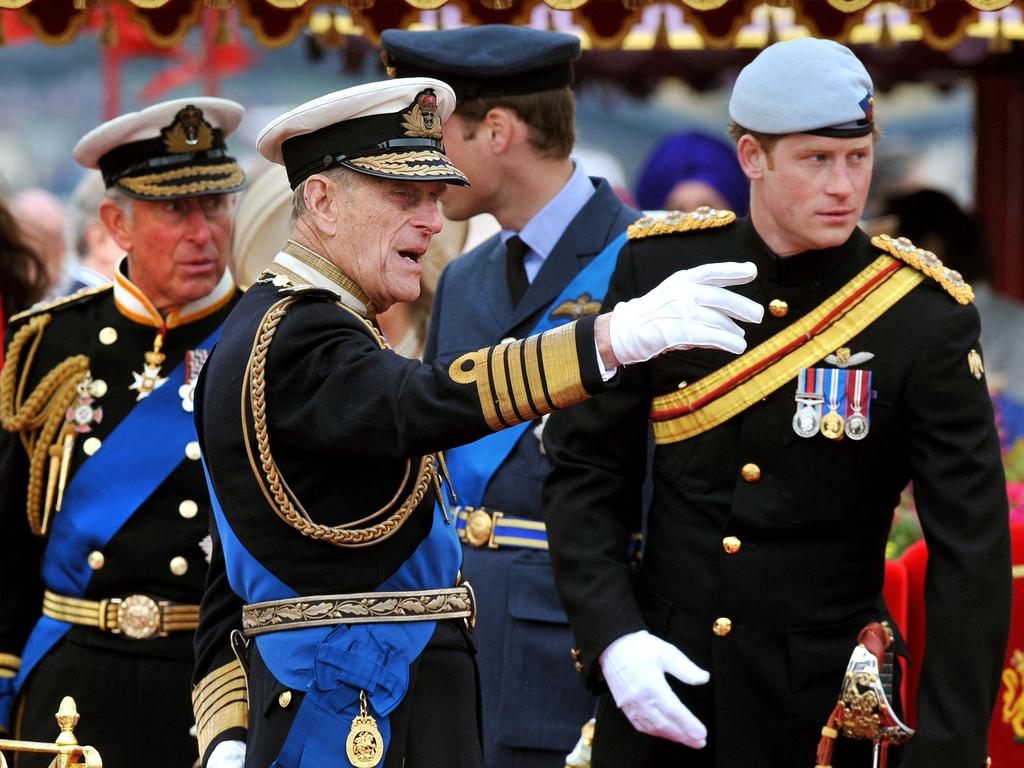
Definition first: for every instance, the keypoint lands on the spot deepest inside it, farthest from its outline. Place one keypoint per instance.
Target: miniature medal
(857, 423)
(364, 745)
(83, 414)
(150, 379)
(194, 360)
(832, 423)
(807, 419)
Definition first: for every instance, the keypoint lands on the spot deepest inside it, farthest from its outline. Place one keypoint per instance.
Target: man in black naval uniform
(512, 131)
(776, 473)
(105, 505)
(333, 525)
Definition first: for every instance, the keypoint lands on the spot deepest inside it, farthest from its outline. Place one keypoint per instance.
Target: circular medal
(365, 745)
(806, 421)
(856, 427)
(832, 426)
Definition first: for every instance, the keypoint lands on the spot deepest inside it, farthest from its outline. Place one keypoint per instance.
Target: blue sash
(473, 465)
(332, 664)
(105, 491)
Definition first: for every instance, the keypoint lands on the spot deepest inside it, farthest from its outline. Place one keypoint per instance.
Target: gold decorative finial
(67, 719)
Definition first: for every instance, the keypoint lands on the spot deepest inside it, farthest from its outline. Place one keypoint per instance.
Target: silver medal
(857, 427)
(807, 419)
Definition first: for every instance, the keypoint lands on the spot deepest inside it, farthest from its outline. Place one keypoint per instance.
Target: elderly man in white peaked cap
(336, 560)
(102, 480)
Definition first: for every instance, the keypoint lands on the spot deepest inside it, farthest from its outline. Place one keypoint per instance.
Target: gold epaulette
(63, 301)
(680, 221)
(928, 263)
(220, 702)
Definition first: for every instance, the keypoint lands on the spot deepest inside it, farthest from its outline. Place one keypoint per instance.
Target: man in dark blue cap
(776, 473)
(512, 132)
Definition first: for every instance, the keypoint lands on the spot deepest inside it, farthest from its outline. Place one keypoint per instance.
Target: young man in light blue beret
(776, 473)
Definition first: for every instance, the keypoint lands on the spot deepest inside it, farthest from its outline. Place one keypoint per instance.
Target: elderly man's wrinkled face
(177, 249)
(387, 226)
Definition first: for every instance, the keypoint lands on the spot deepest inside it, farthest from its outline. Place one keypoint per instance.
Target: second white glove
(634, 667)
(227, 754)
(689, 308)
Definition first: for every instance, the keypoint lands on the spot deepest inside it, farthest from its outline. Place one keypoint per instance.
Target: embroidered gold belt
(135, 616)
(359, 608)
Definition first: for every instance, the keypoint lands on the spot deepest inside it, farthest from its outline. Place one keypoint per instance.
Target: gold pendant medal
(832, 423)
(150, 378)
(364, 745)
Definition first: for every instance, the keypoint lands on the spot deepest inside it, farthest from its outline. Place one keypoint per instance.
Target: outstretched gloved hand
(227, 754)
(634, 667)
(690, 308)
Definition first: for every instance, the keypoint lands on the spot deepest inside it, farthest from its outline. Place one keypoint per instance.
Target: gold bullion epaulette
(680, 221)
(928, 263)
(63, 301)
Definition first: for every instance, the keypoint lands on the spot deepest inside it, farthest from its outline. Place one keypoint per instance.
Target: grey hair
(345, 178)
(125, 202)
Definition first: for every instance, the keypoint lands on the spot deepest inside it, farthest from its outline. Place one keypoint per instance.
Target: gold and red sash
(730, 390)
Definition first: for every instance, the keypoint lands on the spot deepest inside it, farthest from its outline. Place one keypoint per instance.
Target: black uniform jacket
(811, 524)
(171, 525)
(345, 419)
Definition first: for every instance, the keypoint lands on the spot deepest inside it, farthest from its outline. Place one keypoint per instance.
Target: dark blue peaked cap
(484, 61)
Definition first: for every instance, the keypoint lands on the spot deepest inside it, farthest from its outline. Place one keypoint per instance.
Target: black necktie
(515, 272)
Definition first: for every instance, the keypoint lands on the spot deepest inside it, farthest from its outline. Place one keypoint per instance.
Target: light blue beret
(804, 85)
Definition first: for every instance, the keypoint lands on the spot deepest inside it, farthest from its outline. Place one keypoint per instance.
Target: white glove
(227, 754)
(634, 667)
(690, 308)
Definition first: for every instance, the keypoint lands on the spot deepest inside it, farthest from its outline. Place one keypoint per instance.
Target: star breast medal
(364, 745)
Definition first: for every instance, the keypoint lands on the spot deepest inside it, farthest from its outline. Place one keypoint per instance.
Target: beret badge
(422, 121)
(868, 105)
(189, 132)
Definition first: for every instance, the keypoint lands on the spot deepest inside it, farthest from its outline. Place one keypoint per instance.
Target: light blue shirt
(542, 233)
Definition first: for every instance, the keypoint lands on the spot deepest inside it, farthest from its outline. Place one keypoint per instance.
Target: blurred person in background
(691, 169)
(96, 251)
(933, 220)
(22, 276)
(41, 215)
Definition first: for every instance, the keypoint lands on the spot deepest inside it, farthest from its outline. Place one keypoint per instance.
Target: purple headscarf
(692, 157)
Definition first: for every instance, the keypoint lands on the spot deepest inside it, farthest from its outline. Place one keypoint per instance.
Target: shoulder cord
(275, 489)
(40, 418)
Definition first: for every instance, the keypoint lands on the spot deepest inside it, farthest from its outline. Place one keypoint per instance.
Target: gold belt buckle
(480, 527)
(138, 617)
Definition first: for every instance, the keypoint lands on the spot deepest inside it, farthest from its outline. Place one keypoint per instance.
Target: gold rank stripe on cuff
(522, 380)
(220, 702)
(9, 665)
(733, 388)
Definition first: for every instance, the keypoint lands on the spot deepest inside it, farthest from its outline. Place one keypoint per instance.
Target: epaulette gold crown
(928, 263)
(63, 301)
(680, 221)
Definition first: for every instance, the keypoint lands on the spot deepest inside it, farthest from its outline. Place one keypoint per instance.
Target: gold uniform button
(108, 335)
(751, 473)
(91, 445)
(778, 308)
(98, 388)
(96, 560)
(188, 509)
(731, 545)
(284, 699)
(179, 566)
(578, 665)
(192, 450)
(722, 627)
